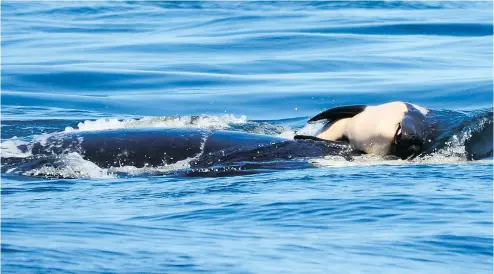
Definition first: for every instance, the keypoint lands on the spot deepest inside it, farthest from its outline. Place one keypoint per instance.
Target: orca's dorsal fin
(338, 113)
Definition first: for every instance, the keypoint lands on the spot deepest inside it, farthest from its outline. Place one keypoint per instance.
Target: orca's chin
(406, 151)
(407, 144)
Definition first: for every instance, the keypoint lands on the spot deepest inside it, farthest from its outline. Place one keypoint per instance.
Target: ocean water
(251, 67)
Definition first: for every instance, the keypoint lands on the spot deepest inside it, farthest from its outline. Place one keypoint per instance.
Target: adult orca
(163, 146)
(398, 129)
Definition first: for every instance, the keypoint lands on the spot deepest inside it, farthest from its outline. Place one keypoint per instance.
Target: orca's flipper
(337, 113)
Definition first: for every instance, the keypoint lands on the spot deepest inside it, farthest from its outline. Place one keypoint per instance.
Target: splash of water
(201, 121)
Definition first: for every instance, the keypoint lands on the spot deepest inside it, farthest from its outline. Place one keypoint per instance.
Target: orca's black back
(162, 146)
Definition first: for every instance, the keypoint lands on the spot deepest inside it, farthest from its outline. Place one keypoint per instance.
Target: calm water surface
(262, 67)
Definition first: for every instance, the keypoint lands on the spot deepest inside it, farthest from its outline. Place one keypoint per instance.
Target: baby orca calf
(394, 128)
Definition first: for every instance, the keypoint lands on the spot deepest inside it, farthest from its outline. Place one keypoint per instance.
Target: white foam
(287, 134)
(201, 121)
(10, 148)
(132, 170)
(363, 160)
(308, 129)
(71, 165)
(450, 155)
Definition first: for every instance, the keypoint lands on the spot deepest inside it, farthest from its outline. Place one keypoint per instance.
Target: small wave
(201, 121)
(440, 29)
(71, 165)
(22, 148)
(11, 148)
(372, 160)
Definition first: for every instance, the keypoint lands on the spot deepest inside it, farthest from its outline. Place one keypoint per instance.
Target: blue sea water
(261, 67)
